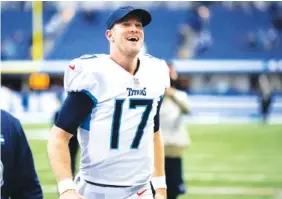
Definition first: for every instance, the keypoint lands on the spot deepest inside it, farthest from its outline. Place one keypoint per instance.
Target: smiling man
(113, 104)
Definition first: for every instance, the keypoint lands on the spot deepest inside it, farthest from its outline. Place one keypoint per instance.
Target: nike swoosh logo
(141, 192)
(72, 67)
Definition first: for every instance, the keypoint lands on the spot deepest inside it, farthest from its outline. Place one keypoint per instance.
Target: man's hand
(70, 194)
(160, 194)
(170, 91)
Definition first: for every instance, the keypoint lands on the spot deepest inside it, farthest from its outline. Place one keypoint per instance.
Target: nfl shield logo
(136, 81)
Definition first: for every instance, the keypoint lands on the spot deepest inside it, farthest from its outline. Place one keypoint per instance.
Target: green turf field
(223, 162)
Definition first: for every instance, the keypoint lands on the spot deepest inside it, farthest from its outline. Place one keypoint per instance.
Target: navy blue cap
(120, 13)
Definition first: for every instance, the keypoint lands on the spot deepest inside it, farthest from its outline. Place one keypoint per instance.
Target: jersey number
(133, 104)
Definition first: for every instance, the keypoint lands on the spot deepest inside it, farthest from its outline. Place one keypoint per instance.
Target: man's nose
(133, 28)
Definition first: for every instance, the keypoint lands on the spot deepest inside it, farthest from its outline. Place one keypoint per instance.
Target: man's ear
(109, 35)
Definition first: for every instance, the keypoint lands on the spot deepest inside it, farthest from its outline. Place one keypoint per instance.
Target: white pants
(90, 191)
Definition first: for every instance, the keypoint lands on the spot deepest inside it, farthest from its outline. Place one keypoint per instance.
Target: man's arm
(159, 155)
(58, 152)
(59, 157)
(183, 105)
(56, 147)
(26, 184)
(69, 119)
(158, 179)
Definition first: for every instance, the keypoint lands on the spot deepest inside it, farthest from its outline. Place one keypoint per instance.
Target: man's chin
(133, 52)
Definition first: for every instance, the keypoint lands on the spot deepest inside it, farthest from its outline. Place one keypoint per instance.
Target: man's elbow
(57, 137)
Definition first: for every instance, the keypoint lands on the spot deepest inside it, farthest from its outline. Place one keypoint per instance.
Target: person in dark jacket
(18, 176)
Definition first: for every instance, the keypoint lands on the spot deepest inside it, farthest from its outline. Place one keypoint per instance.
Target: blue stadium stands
(229, 28)
(13, 21)
(238, 35)
(83, 38)
(18, 23)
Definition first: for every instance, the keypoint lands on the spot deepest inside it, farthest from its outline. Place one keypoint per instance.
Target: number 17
(133, 104)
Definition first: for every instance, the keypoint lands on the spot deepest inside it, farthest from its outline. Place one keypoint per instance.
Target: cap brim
(144, 15)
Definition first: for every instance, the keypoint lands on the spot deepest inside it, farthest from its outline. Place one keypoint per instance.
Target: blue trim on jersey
(86, 123)
(94, 99)
(157, 116)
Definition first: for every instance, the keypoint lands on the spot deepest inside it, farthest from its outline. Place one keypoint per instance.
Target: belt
(105, 185)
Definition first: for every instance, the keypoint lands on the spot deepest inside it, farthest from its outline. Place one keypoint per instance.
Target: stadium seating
(19, 21)
(14, 21)
(229, 29)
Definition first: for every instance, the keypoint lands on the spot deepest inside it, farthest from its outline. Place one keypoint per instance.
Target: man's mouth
(133, 39)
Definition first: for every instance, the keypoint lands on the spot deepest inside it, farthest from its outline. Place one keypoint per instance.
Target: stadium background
(227, 54)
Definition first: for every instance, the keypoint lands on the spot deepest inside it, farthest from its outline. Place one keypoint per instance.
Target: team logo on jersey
(132, 91)
(139, 193)
(136, 81)
(72, 66)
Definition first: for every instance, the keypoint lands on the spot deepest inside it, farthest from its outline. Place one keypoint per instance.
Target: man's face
(127, 36)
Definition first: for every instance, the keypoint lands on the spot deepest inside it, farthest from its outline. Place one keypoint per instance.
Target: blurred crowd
(194, 36)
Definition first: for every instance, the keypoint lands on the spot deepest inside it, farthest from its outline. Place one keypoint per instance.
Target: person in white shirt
(176, 138)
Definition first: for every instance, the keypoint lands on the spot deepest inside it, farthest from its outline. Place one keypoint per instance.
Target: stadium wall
(39, 107)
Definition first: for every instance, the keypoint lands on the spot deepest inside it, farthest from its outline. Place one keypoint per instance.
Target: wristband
(159, 182)
(66, 184)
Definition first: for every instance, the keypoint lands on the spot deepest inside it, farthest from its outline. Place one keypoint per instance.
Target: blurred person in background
(194, 36)
(19, 179)
(185, 42)
(176, 138)
(266, 96)
(9, 49)
(275, 13)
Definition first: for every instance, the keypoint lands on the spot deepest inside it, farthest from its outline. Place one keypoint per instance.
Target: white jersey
(117, 138)
(173, 126)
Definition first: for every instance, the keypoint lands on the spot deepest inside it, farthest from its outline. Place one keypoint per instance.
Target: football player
(113, 103)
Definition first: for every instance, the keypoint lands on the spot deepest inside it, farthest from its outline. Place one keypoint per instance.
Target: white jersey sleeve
(80, 76)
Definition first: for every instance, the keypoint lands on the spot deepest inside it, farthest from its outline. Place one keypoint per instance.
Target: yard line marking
(37, 134)
(234, 171)
(233, 190)
(232, 177)
(49, 188)
(278, 196)
(234, 156)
